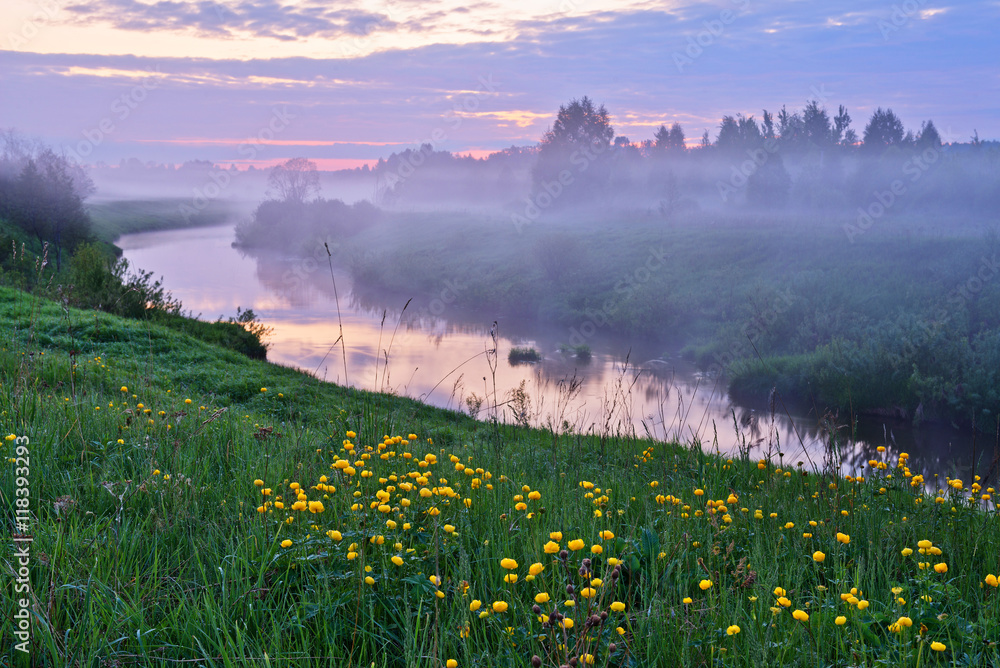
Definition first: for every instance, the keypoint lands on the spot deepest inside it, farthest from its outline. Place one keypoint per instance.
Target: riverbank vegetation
(93, 277)
(852, 269)
(904, 320)
(190, 504)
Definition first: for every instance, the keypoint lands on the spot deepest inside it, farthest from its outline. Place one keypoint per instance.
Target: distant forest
(807, 159)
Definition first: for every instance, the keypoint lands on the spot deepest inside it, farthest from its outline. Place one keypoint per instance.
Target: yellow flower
(124, 388)
(784, 602)
(596, 549)
(778, 591)
(588, 592)
(801, 615)
(448, 528)
(618, 606)
(510, 578)
(258, 482)
(906, 552)
(705, 585)
(840, 620)
(263, 389)
(862, 605)
(941, 568)
(566, 623)
(607, 535)
(542, 597)
(556, 536)
(992, 581)
(843, 538)
(818, 557)
(509, 564)
(398, 560)
(687, 600)
(551, 547)
(577, 544)
(475, 605)
(500, 606)
(451, 663)
(286, 543)
(938, 646)
(535, 569)
(369, 580)
(315, 507)
(733, 630)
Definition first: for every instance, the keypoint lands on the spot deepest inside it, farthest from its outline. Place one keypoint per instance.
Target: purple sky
(244, 81)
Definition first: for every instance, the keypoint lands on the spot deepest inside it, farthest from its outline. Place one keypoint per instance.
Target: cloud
(267, 18)
(773, 54)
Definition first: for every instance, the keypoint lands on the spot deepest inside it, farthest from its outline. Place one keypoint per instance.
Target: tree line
(42, 193)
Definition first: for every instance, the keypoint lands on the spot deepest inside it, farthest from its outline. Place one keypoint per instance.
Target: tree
(738, 134)
(791, 129)
(767, 125)
(579, 124)
(842, 126)
(294, 180)
(669, 141)
(675, 141)
(729, 135)
(576, 145)
(44, 201)
(884, 129)
(928, 137)
(661, 140)
(816, 124)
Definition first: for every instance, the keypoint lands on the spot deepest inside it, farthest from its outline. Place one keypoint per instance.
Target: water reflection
(427, 349)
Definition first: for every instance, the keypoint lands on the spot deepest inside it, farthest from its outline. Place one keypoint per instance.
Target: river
(433, 352)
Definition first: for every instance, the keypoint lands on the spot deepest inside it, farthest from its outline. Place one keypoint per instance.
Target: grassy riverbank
(912, 302)
(163, 474)
(112, 219)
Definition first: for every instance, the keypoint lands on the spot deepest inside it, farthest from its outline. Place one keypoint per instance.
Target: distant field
(113, 219)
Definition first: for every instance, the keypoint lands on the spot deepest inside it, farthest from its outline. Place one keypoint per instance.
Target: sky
(345, 83)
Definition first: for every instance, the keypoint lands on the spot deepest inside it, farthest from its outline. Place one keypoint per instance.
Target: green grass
(149, 548)
(115, 218)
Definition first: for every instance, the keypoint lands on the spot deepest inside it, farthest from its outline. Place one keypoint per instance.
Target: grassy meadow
(192, 506)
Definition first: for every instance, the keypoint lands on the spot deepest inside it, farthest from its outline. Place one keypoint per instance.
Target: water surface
(439, 354)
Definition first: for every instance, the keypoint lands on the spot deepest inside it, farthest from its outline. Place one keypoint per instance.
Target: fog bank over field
(848, 264)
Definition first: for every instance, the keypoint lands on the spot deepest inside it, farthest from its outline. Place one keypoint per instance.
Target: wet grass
(191, 505)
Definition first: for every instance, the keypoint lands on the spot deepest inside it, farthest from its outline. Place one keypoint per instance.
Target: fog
(848, 266)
